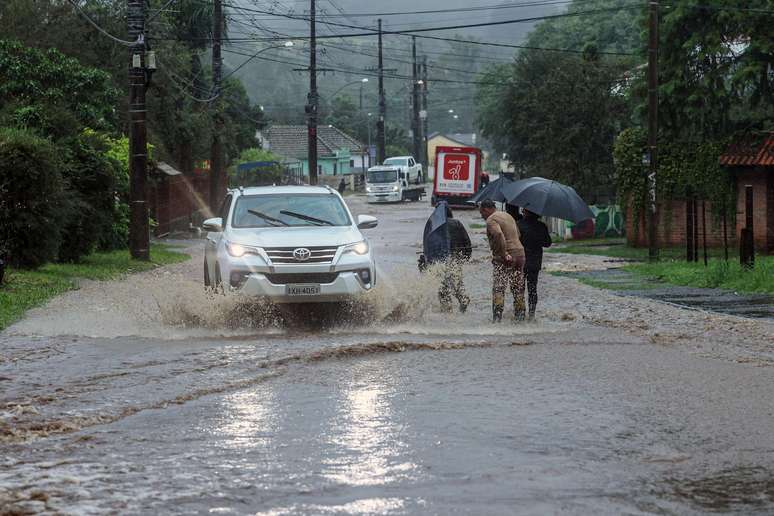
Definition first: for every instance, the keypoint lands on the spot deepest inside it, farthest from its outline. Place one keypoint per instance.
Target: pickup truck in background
(409, 166)
(389, 183)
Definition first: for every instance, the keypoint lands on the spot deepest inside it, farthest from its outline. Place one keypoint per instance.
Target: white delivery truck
(389, 183)
(409, 165)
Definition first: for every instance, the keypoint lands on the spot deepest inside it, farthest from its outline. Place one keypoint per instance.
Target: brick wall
(178, 201)
(672, 226)
(762, 182)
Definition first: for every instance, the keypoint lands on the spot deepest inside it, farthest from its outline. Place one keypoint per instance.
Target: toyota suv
(290, 244)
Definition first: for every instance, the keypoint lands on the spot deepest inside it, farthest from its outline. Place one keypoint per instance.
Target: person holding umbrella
(446, 241)
(507, 259)
(534, 237)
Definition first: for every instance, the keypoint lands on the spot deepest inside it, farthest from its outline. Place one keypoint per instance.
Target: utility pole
(312, 100)
(653, 129)
(423, 116)
(415, 124)
(380, 139)
(216, 152)
(139, 245)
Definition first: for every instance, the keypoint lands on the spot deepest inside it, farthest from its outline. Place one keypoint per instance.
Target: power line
(96, 26)
(409, 32)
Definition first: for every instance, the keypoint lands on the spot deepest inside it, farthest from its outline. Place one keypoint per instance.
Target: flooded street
(147, 395)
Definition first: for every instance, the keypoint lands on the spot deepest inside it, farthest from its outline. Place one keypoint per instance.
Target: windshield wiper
(319, 222)
(271, 220)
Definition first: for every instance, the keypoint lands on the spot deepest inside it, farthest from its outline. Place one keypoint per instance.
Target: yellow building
(449, 140)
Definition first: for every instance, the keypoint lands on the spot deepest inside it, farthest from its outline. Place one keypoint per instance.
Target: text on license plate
(302, 290)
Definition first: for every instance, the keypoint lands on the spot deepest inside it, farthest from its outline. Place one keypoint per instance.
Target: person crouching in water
(507, 260)
(534, 237)
(460, 252)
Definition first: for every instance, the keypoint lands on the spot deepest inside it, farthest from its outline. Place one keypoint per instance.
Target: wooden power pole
(139, 244)
(216, 151)
(416, 128)
(653, 129)
(380, 136)
(312, 101)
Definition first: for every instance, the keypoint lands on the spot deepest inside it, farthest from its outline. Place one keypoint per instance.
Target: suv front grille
(323, 254)
(302, 277)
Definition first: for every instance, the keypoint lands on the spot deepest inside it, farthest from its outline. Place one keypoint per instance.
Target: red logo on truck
(456, 167)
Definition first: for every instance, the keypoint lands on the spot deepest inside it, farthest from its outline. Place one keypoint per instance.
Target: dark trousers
(532, 281)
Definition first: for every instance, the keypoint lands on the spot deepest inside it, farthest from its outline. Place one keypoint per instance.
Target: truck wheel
(433, 200)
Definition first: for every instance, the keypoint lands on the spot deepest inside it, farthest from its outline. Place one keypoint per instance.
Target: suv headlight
(359, 248)
(239, 250)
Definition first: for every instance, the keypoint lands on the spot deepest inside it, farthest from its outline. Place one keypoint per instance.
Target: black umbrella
(492, 191)
(549, 198)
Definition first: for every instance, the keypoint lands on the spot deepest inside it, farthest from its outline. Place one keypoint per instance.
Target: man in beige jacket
(507, 259)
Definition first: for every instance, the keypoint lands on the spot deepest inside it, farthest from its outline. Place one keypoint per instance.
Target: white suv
(290, 244)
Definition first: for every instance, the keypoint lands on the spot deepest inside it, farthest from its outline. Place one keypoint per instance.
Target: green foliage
(557, 118)
(559, 113)
(35, 80)
(685, 169)
(260, 176)
(90, 175)
(715, 70)
(718, 274)
(32, 198)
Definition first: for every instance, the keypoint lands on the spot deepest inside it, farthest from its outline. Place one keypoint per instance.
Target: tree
(557, 118)
(32, 198)
(715, 69)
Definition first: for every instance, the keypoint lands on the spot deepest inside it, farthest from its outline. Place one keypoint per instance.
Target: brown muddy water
(147, 395)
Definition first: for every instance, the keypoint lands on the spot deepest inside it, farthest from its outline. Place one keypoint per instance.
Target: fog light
(364, 275)
(238, 278)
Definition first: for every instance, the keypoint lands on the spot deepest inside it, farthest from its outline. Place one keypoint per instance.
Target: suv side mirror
(366, 222)
(213, 225)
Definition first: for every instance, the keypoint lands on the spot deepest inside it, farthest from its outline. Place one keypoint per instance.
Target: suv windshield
(263, 211)
(402, 162)
(382, 176)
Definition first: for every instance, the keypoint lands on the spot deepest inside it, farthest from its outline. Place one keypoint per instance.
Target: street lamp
(359, 81)
(287, 44)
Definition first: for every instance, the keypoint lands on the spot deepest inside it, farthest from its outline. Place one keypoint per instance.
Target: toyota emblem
(302, 254)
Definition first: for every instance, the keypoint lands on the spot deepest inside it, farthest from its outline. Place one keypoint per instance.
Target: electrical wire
(100, 29)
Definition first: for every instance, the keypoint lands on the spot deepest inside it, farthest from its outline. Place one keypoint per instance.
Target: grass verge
(717, 274)
(24, 289)
(617, 248)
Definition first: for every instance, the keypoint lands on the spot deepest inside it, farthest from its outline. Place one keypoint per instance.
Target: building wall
(672, 226)
(342, 165)
(762, 182)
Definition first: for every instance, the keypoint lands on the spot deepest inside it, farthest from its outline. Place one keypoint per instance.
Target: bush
(91, 178)
(32, 198)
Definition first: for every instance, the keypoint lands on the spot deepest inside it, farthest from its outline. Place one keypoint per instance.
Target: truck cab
(389, 183)
(409, 166)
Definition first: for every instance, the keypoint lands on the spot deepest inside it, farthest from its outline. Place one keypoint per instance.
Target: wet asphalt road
(144, 396)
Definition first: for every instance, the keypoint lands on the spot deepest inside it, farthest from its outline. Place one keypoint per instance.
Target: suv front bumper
(346, 285)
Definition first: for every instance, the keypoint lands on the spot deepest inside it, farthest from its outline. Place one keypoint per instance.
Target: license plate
(302, 290)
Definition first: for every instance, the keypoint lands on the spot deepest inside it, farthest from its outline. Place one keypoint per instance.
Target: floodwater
(146, 395)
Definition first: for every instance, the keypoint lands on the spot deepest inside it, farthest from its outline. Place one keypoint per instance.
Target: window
(352, 163)
(335, 168)
(224, 207)
(265, 211)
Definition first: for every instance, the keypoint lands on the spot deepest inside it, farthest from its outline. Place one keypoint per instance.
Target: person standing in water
(507, 259)
(460, 252)
(534, 237)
